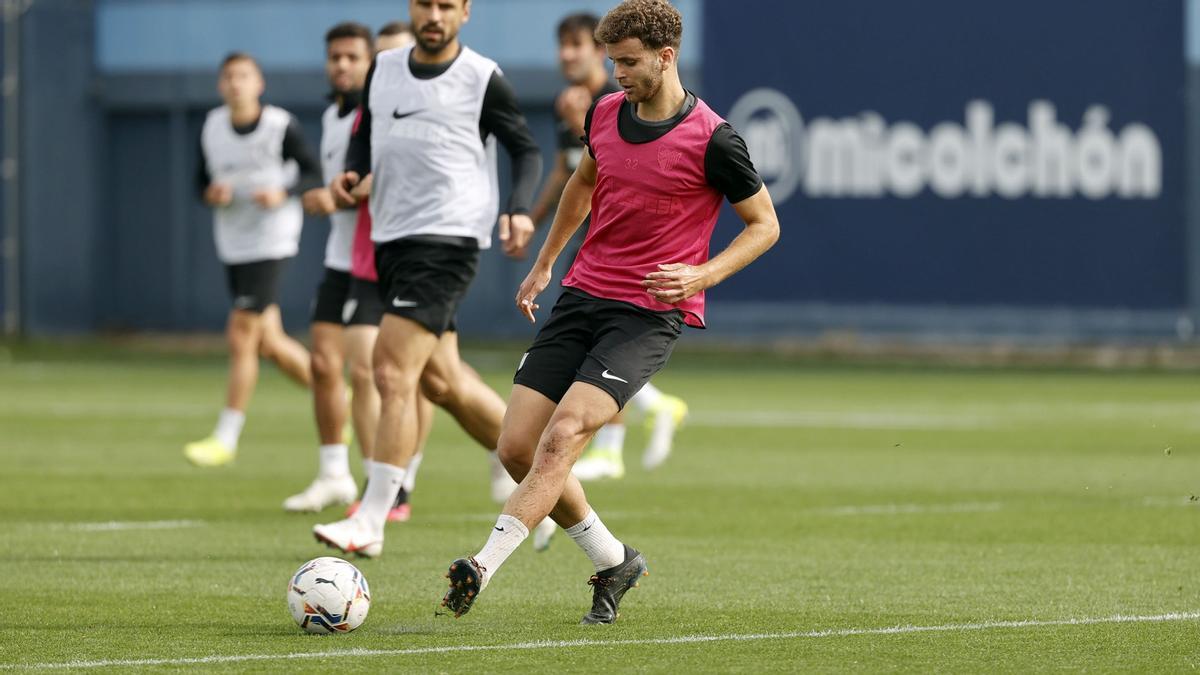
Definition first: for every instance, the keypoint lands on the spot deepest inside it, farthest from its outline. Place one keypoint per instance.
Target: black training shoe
(608, 586)
(466, 580)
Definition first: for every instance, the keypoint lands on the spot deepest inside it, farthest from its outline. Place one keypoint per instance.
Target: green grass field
(812, 519)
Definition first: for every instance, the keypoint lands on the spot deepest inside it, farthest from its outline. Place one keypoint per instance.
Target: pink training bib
(652, 205)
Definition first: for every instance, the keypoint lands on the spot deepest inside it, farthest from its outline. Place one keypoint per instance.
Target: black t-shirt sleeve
(502, 116)
(727, 165)
(586, 138)
(203, 175)
(358, 153)
(296, 148)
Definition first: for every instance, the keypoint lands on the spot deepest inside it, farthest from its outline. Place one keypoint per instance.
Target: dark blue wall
(923, 63)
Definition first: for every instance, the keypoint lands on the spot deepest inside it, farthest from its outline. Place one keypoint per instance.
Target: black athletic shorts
(424, 278)
(254, 286)
(346, 301)
(368, 305)
(613, 345)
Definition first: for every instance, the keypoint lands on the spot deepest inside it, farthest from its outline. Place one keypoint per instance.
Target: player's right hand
(536, 282)
(218, 194)
(341, 186)
(318, 202)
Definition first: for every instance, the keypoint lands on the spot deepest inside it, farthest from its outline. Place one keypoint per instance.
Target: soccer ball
(328, 595)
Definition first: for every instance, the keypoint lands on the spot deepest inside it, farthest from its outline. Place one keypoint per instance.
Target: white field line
(561, 644)
(932, 415)
(118, 526)
(903, 509)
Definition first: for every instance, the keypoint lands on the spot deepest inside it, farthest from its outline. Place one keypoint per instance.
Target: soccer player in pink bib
(659, 163)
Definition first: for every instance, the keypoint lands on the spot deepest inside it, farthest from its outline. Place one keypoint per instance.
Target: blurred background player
(253, 162)
(431, 115)
(343, 326)
(581, 59)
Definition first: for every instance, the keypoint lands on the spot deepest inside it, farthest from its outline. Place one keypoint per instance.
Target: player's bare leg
(329, 389)
(548, 488)
(364, 405)
(401, 352)
(291, 356)
(334, 484)
(243, 332)
(454, 385)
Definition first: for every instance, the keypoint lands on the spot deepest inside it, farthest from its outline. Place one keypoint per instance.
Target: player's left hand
(515, 233)
(675, 282)
(318, 202)
(270, 199)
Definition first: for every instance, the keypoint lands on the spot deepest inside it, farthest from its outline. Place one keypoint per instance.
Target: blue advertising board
(1026, 153)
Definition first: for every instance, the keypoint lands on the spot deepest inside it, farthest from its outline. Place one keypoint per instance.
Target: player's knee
(241, 337)
(361, 376)
(325, 366)
(436, 389)
(564, 435)
(392, 382)
(516, 454)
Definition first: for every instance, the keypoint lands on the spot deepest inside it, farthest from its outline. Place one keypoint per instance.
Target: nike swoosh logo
(609, 376)
(499, 529)
(397, 302)
(399, 115)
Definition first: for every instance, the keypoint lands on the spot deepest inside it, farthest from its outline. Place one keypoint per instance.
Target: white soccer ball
(328, 595)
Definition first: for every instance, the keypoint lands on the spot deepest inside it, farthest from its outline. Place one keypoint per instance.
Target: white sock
(597, 542)
(367, 464)
(229, 427)
(610, 436)
(383, 483)
(646, 398)
(506, 536)
(335, 461)
(410, 480)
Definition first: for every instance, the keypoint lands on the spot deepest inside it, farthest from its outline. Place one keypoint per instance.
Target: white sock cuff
(382, 471)
(506, 521)
(582, 526)
(233, 415)
(335, 459)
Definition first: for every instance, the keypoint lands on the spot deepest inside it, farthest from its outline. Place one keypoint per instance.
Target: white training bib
(433, 172)
(244, 231)
(335, 140)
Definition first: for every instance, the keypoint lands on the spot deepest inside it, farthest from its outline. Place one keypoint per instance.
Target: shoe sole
(461, 597)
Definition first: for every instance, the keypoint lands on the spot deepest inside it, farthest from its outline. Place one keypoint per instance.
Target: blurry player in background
(253, 162)
(343, 326)
(581, 59)
(616, 323)
(431, 115)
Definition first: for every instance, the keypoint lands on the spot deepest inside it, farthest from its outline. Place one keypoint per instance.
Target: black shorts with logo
(424, 278)
(613, 345)
(254, 286)
(346, 301)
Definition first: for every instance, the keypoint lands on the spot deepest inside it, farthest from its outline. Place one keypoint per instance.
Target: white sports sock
(335, 461)
(229, 427)
(367, 464)
(382, 485)
(610, 436)
(410, 480)
(646, 398)
(506, 536)
(597, 542)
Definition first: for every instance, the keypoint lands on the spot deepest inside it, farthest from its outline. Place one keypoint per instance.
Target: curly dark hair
(655, 22)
